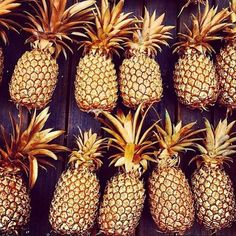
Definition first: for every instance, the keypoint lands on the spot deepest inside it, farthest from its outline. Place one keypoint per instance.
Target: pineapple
(212, 187)
(24, 151)
(226, 64)
(140, 75)
(170, 197)
(6, 23)
(123, 200)
(195, 79)
(188, 2)
(96, 84)
(51, 27)
(76, 198)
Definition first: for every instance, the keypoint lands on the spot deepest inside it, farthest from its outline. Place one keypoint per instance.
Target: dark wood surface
(66, 115)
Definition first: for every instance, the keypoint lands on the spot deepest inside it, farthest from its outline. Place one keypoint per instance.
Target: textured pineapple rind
(14, 203)
(171, 200)
(96, 86)
(195, 80)
(214, 197)
(140, 81)
(34, 79)
(122, 205)
(75, 202)
(226, 64)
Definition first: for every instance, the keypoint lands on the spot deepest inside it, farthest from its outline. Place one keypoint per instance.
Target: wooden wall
(66, 115)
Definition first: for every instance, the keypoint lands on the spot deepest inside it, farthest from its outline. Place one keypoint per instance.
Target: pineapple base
(122, 205)
(34, 79)
(75, 203)
(14, 203)
(96, 86)
(171, 201)
(214, 197)
(140, 81)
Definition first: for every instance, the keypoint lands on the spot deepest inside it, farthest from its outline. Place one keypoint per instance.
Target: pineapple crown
(133, 146)
(89, 150)
(174, 139)
(111, 29)
(205, 26)
(25, 150)
(188, 2)
(6, 23)
(150, 34)
(54, 25)
(217, 145)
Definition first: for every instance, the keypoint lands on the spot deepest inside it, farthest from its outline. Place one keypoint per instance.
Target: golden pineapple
(170, 197)
(96, 85)
(123, 200)
(6, 23)
(140, 75)
(76, 198)
(24, 151)
(212, 187)
(35, 75)
(195, 79)
(226, 63)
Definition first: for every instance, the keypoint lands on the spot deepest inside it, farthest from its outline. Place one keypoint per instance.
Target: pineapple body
(195, 80)
(96, 84)
(122, 205)
(140, 80)
(75, 202)
(34, 79)
(1, 64)
(14, 203)
(171, 200)
(214, 197)
(226, 64)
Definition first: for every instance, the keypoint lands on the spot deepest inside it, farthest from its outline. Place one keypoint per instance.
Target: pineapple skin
(14, 203)
(140, 81)
(75, 202)
(195, 80)
(34, 79)
(1, 64)
(226, 63)
(171, 200)
(96, 86)
(214, 197)
(122, 205)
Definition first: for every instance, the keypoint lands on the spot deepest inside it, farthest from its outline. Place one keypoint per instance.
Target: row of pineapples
(75, 204)
(197, 80)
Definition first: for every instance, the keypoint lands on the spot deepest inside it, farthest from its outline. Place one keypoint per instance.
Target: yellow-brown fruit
(14, 202)
(171, 200)
(195, 79)
(74, 206)
(96, 86)
(226, 63)
(34, 79)
(122, 205)
(140, 80)
(214, 197)
(1, 64)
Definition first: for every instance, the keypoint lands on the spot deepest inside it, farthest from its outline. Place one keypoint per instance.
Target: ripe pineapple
(96, 85)
(140, 75)
(195, 79)
(123, 200)
(170, 196)
(6, 23)
(76, 198)
(35, 75)
(212, 187)
(226, 63)
(24, 151)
